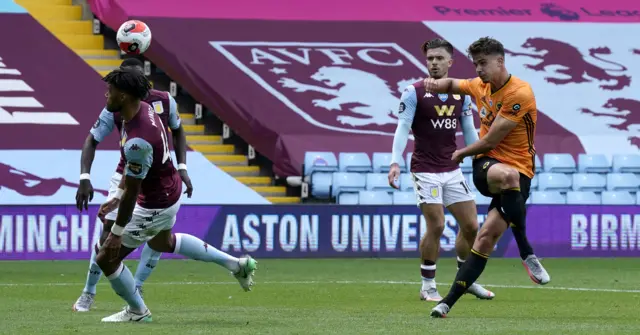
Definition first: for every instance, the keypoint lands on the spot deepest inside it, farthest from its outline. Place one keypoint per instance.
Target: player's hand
(432, 85)
(187, 181)
(457, 157)
(111, 246)
(107, 208)
(84, 194)
(394, 175)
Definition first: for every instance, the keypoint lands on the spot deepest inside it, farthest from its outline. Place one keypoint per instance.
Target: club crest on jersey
(157, 107)
(456, 96)
(443, 97)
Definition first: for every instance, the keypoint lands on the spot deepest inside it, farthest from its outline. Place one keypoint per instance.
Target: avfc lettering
(448, 122)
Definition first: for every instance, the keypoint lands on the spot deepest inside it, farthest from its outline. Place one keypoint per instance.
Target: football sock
(460, 262)
(94, 274)
(124, 285)
(514, 207)
(148, 260)
(467, 275)
(428, 274)
(195, 248)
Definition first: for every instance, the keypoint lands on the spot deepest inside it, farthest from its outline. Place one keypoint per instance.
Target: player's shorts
(113, 188)
(480, 168)
(444, 188)
(146, 223)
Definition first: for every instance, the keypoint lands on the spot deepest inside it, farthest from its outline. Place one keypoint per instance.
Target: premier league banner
(264, 231)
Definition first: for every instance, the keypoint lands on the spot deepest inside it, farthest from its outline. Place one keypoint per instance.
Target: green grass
(359, 296)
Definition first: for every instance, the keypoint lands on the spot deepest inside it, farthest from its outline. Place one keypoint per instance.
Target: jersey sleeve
(466, 121)
(469, 86)
(174, 118)
(518, 104)
(406, 113)
(103, 126)
(138, 154)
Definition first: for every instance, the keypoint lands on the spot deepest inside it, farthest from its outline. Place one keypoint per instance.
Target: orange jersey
(514, 101)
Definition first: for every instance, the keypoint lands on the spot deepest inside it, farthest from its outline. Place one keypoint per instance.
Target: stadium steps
(64, 20)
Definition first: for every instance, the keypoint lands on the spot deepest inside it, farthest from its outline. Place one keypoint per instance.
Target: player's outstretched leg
(242, 268)
(466, 214)
(488, 236)
(86, 299)
(429, 249)
(149, 258)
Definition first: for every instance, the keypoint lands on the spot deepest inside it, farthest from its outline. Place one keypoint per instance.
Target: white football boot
(126, 315)
(84, 303)
(248, 266)
(536, 271)
(440, 311)
(480, 292)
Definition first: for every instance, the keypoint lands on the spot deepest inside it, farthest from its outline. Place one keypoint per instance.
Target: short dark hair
(131, 62)
(435, 44)
(130, 81)
(486, 46)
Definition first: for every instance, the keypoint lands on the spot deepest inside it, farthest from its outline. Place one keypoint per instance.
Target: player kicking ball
(148, 199)
(437, 179)
(503, 164)
(166, 108)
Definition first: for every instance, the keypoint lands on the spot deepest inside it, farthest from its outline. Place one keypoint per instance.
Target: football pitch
(328, 296)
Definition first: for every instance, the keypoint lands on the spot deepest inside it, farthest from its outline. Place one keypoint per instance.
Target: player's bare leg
(487, 238)
(242, 268)
(505, 180)
(466, 214)
(429, 250)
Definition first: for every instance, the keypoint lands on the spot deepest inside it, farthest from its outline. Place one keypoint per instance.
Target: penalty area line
(334, 282)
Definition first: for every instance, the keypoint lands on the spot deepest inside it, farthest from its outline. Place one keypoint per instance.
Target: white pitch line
(341, 282)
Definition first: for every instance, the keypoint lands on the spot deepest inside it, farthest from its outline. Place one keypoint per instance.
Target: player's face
(488, 67)
(438, 62)
(115, 99)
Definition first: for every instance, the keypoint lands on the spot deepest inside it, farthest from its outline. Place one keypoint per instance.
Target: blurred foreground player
(151, 199)
(504, 162)
(166, 107)
(437, 179)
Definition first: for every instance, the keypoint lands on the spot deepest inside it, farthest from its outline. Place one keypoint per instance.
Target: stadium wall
(265, 231)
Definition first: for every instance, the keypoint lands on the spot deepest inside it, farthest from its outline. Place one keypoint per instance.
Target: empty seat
(467, 165)
(593, 164)
(560, 163)
(554, 182)
(321, 184)
(354, 162)
(347, 182)
(481, 199)
(626, 163)
(638, 198)
(378, 182)
(547, 198)
(589, 182)
(350, 198)
(404, 198)
(319, 161)
(374, 198)
(406, 182)
(382, 160)
(582, 198)
(538, 164)
(534, 183)
(623, 182)
(617, 198)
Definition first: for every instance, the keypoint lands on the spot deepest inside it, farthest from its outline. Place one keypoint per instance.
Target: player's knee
(468, 229)
(435, 227)
(487, 238)
(509, 178)
(103, 261)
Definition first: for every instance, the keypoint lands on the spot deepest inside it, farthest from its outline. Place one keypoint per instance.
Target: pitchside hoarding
(61, 232)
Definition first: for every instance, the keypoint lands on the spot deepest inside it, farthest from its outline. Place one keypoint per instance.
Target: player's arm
(406, 113)
(139, 156)
(466, 121)
(450, 85)
(179, 138)
(101, 129)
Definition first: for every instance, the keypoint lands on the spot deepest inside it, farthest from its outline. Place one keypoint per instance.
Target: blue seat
(534, 183)
(382, 160)
(481, 199)
(589, 182)
(374, 198)
(378, 182)
(404, 198)
(321, 184)
(354, 162)
(554, 182)
(593, 164)
(547, 198)
(347, 182)
(559, 163)
(319, 161)
(467, 165)
(638, 198)
(409, 155)
(623, 182)
(406, 182)
(350, 198)
(626, 163)
(538, 164)
(582, 198)
(617, 198)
